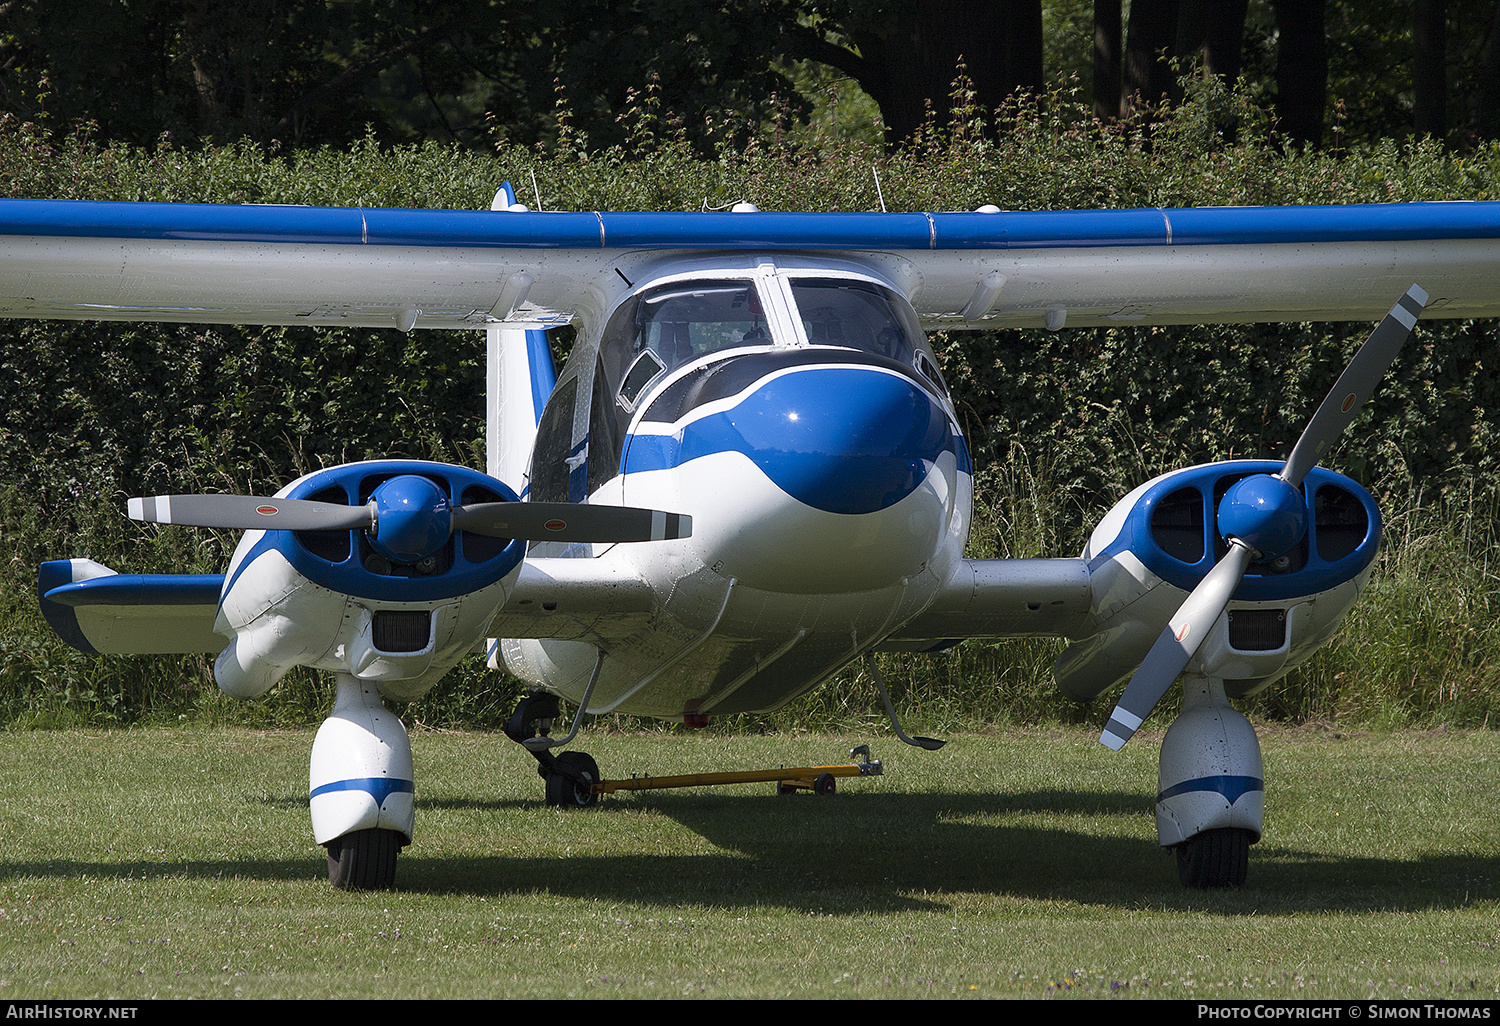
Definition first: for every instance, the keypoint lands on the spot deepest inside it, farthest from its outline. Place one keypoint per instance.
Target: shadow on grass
(876, 853)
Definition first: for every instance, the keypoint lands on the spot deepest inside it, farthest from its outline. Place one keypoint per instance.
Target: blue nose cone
(857, 444)
(1264, 512)
(413, 518)
(841, 439)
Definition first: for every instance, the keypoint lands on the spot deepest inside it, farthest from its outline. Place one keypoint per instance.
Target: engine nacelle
(1157, 544)
(338, 600)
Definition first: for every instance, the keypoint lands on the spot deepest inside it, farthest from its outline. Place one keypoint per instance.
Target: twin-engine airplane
(748, 474)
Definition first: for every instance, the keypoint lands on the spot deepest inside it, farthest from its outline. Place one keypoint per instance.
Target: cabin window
(930, 371)
(858, 315)
(676, 323)
(604, 445)
(652, 334)
(554, 444)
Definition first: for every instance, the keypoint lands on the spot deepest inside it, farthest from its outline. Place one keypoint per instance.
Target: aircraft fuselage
(797, 415)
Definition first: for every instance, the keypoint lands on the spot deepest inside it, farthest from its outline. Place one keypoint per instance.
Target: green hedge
(1060, 424)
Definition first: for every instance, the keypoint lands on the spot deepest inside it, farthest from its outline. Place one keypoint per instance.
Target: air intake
(1257, 630)
(401, 631)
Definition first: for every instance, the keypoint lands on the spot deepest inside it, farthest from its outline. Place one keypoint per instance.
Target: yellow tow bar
(817, 779)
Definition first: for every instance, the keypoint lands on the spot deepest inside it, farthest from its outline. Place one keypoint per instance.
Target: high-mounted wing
(466, 269)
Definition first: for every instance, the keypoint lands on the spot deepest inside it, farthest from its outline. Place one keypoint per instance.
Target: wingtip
(135, 509)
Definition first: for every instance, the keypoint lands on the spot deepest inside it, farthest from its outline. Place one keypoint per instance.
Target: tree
(1301, 69)
(906, 55)
(1170, 37)
(308, 72)
(1429, 37)
(311, 72)
(1108, 38)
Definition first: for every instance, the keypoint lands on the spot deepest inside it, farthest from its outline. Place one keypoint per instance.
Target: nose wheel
(1214, 859)
(364, 860)
(571, 784)
(569, 776)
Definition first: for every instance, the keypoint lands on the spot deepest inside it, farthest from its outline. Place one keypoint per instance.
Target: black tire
(364, 860)
(1214, 859)
(825, 783)
(567, 793)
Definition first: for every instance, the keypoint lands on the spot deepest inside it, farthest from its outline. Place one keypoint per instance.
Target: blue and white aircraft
(748, 474)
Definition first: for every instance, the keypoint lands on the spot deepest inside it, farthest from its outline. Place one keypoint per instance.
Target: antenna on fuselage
(878, 193)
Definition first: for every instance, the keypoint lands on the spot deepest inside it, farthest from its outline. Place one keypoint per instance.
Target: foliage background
(1061, 425)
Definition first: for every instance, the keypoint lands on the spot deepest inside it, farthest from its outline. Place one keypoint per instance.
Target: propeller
(409, 518)
(1262, 516)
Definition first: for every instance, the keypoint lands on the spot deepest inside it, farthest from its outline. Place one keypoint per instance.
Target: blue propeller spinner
(1261, 517)
(413, 518)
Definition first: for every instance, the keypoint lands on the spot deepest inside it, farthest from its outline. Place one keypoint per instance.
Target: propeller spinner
(1262, 516)
(409, 517)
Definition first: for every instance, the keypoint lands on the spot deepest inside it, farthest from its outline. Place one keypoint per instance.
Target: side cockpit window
(554, 444)
(642, 372)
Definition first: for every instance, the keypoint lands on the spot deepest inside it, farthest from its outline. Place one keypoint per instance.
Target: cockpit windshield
(857, 314)
(667, 326)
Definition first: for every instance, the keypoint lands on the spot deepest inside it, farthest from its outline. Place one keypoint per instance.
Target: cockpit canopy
(666, 326)
(857, 315)
(662, 328)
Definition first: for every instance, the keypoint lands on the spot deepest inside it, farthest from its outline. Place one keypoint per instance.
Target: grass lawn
(180, 863)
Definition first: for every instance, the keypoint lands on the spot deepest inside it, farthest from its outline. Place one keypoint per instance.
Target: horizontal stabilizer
(99, 611)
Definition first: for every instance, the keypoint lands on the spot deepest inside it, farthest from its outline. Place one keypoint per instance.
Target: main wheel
(364, 860)
(1214, 859)
(570, 794)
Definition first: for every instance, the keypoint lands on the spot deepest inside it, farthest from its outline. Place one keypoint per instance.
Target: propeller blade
(1354, 386)
(569, 521)
(1181, 638)
(249, 512)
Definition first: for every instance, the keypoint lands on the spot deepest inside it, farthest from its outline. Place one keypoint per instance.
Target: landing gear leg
(360, 787)
(1210, 803)
(930, 744)
(569, 776)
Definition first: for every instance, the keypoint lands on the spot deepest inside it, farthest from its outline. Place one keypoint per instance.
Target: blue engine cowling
(397, 606)
(1158, 542)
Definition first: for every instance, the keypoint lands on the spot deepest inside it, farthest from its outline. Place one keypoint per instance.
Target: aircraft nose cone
(818, 477)
(413, 518)
(842, 440)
